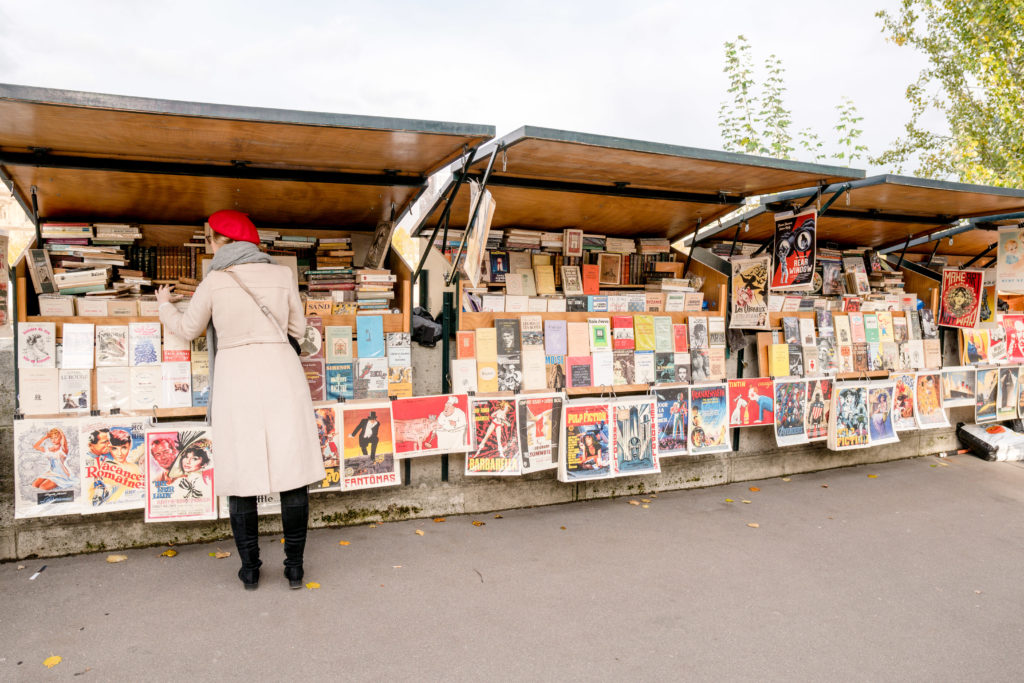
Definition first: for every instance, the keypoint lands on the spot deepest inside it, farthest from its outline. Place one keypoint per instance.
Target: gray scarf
(231, 254)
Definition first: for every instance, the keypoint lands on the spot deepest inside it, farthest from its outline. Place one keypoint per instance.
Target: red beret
(234, 224)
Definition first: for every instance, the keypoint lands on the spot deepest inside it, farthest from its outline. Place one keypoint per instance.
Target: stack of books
(654, 245)
(186, 286)
(60, 232)
(374, 289)
(325, 279)
(111, 234)
(334, 252)
(82, 281)
(522, 239)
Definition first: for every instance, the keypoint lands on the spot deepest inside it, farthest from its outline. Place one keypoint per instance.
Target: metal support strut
(472, 217)
(979, 256)
(454, 190)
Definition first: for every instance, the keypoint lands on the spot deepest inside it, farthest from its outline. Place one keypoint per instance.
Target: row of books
(476, 300)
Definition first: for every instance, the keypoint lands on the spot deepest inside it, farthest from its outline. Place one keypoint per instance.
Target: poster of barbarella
(636, 437)
(46, 468)
(709, 419)
(327, 420)
(368, 446)
(673, 420)
(540, 431)
(848, 424)
(179, 473)
(588, 452)
(113, 455)
(750, 293)
(790, 409)
(495, 438)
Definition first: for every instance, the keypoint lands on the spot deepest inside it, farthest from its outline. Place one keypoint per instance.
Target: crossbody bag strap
(266, 311)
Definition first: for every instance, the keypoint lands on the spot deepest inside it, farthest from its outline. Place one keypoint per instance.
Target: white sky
(638, 69)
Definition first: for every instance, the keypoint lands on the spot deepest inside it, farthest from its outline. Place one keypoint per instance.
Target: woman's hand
(163, 294)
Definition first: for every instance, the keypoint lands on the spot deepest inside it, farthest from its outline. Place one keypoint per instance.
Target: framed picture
(610, 267)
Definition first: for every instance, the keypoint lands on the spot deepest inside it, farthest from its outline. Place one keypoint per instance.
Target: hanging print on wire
(795, 243)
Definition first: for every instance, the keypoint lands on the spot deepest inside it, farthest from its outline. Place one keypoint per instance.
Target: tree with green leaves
(974, 79)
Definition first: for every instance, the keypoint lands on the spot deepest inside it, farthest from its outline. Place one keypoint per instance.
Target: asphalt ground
(910, 570)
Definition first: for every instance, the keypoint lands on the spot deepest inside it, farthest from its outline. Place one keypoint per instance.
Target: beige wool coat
(264, 432)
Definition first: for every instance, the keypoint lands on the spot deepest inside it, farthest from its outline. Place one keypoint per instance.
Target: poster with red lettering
(179, 473)
(794, 253)
(113, 455)
(368, 447)
(960, 303)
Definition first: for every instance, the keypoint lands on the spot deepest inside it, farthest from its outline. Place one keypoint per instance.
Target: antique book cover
(464, 375)
(578, 338)
(37, 345)
(370, 381)
(623, 366)
(114, 389)
(534, 371)
(466, 344)
(622, 332)
(871, 334)
(555, 337)
(555, 372)
(663, 338)
(643, 367)
(664, 367)
(338, 339)
(591, 279)
(176, 378)
(146, 388)
(340, 378)
(778, 360)
(716, 331)
(698, 332)
(111, 345)
(680, 339)
(144, 343)
(580, 371)
(486, 360)
(643, 332)
(843, 335)
(600, 334)
(314, 371)
(370, 336)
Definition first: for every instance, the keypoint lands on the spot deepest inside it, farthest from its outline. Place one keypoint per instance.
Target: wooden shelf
(597, 391)
(164, 413)
(61, 320)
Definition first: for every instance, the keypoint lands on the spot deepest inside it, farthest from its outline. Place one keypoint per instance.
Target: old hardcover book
(314, 371)
(340, 379)
(555, 337)
(37, 391)
(338, 342)
(37, 345)
(643, 367)
(113, 388)
(580, 371)
(486, 360)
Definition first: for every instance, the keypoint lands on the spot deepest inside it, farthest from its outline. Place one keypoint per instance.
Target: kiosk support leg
(446, 378)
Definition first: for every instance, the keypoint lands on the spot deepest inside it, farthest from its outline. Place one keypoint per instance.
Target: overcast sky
(638, 69)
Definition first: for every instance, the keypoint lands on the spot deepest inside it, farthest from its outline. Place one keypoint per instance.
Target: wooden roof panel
(923, 197)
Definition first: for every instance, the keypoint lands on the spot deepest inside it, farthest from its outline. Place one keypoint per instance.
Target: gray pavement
(914, 574)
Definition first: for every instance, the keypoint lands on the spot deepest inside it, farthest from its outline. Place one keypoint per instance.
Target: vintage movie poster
(1010, 261)
(904, 413)
(960, 301)
(113, 455)
(928, 395)
(974, 346)
(327, 422)
(957, 387)
(429, 425)
(368, 446)
(848, 427)
(1020, 391)
(795, 245)
(751, 402)
(1013, 325)
(636, 437)
(673, 420)
(880, 407)
(750, 293)
(587, 442)
(540, 431)
(46, 468)
(819, 405)
(986, 394)
(1006, 405)
(709, 419)
(790, 411)
(179, 473)
(495, 438)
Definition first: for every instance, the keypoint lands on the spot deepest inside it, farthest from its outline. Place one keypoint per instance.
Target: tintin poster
(987, 394)
(709, 419)
(793, 267)
(587, 442)
(113, 455)
(673, 420)
(1010, 261)
(960, 302)
(904, 405)
(179, 471)
(636, 437)
(790, 407)
(496, 438)
(428, 425)
(751, 402)
(46, 468)
(928, 393)
(368, 446)
(540, 431)
(880, 423)
(819, 405)
(750, 293)
(848, 428)
(327, 422)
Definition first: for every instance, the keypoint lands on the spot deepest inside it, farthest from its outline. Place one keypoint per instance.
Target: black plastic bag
(425, 330)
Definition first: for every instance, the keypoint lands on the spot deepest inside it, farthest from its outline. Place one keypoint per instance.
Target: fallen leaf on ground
(645, 500)
(372, 526)
(872, 476)
(754, 525)
(645, 506)
(116, 558)
(396, 566)
(932, 465)
(221, 554)
(312, 585)
(786, 479)
(282, 540)
(654, 495)
(729, 500)
(170, 552)
(498, 517)
(51, 661)
(634, 502)
(747, 501)
(943, 464)
(563, 528)
(977, 592)
(343, 542)
(438, 520)
(20, 567)
(476, 523)
(754, 488)
(419, 532)
(824, 486)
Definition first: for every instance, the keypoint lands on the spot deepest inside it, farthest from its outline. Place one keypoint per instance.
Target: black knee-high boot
(245, 528)
(294, 520)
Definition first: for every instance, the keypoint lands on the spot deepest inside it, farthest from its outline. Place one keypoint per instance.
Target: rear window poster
(880, 402)
(750, 293)
(429, 425)
(819, 404)
(903, 402)
(790, 409)
(327, 431)
(1010, 261)
(751, 402)
(957, 387)
(179, 469)
(928, 393)
(1007, 394)
(794, 251)
(673, 414)
(496, 438)
(985, 398)
(848, 428)
(46, 468)
(368, 446)
(540, 431)
(587, 443)
(709, 420)
(960, 301)
(113, 453)
(636, 442)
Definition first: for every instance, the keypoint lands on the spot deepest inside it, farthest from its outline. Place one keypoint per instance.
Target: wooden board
(393, 322)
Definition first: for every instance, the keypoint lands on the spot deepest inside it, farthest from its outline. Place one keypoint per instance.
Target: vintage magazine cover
(368, 449)
(957, 386)
(327, 421)
(819, 405)
(113, 455)
(673, 420)
(540, 431)
(790, 412)
(179, 472)
(750, 293)
(636, 437)
(848, 426)
(960, 301)
(794, 251)
(495, 438)
(46, 468)
(928, 396)
(986, 395)
(587, 442)
(904, 412)
(1006, 408)
(428, 425)
(880, 409)
(1010, 261)
(751, 402)
(709, 420)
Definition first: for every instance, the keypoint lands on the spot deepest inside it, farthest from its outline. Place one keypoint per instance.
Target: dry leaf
(654, 495)
(872, 476)
(20, 567)
(754, 488)
(51, 661)
(476, 523)
(116, 558)
(977, 592)
(943, 464)
(498, 517)
(754, 525)
(312, 585)
(824, 486)
(396, 566)
(729, 500)
(645, 500)
(645, 506)
(419, 532)
(634, 502)
(373, 526)
(343, 542)
(170, 552)
(747, 501)
(282, 540)
(563, 528)
(932, 465)
(438, 520)
(786, 479)
(221, 554)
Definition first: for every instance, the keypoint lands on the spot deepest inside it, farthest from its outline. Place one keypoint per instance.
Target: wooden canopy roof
(113, 158)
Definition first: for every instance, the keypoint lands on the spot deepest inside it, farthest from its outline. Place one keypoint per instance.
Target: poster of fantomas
(750, 293)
